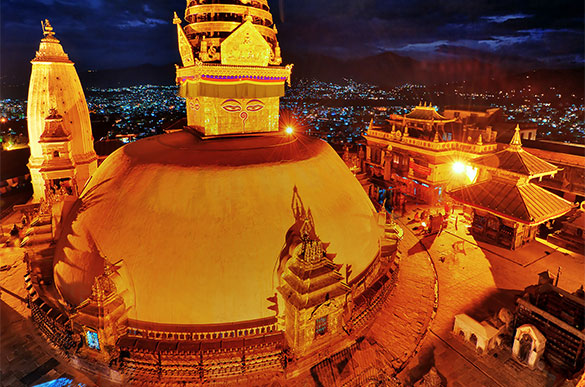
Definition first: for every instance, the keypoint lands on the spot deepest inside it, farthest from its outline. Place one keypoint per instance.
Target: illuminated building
(230, 251)
(59, 130)
(568, 182)
(421, 155)
(507, 207)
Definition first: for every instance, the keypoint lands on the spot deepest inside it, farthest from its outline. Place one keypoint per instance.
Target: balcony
(432, 145)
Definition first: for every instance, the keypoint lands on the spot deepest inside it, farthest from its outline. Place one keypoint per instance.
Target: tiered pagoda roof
(427, 113)
(313, 278)
(515, 199)
(516, 160)
(526, 203)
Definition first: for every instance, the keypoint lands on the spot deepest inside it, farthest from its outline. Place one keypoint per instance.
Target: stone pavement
(25, 357)
(478, 280)
(403, 321)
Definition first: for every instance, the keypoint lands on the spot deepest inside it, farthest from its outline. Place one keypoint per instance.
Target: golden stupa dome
(196, 227)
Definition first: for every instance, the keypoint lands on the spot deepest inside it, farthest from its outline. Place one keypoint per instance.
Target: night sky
(100, 34)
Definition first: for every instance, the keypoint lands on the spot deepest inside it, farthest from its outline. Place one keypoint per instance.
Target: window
(56, 154)
(376, 156)
(321, 326)
(493, 224)
(92, 340)
(479, 222)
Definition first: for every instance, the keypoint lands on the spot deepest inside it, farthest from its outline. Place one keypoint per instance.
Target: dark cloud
(419, 28)
(114, 33)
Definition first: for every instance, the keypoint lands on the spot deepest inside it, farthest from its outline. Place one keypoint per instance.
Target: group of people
(435, 223)
(394, 201)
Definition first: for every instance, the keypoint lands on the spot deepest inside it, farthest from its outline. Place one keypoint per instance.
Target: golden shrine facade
(419, 155)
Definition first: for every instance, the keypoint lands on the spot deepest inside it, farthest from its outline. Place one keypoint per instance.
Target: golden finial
(176, 19)
(47, 28)
(436, 139)
(405, 132)
(516, 143)
(247, 16)
(480, 140)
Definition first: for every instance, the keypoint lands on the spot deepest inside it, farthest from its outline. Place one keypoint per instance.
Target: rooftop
(426, 113)
(517, 160)
(526, 203)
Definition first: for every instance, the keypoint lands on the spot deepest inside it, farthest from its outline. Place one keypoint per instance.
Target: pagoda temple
(426, 120)
(507, 206)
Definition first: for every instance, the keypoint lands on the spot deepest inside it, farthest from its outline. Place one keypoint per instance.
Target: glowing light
(424, 224)
(471, 173)
(3, 119)
(289, 130)
(458, 167)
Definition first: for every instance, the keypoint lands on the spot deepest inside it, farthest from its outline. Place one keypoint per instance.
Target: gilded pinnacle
(47, 28)
(176, 19)
(516, 142)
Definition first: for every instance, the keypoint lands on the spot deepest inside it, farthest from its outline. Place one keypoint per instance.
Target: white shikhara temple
(59, 130)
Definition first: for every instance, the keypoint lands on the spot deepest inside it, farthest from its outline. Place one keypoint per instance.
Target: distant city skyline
(98, 34)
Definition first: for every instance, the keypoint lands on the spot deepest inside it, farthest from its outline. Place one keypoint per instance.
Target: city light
(458, 167)
(289, 130)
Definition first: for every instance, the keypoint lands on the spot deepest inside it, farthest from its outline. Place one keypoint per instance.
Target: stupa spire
(47, 29)
(516, 142)
(231, 78)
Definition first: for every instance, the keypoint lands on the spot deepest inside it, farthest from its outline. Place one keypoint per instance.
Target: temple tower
(230, 78)
(57, 116)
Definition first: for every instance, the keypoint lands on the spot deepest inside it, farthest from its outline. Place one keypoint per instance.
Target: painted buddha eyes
(232, 105)
(254, 105)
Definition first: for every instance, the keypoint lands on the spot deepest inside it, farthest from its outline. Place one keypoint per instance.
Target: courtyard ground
(478, 279)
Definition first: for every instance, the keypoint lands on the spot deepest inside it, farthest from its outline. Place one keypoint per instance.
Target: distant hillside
(131, 76)
(386, 70)
(389, 70)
